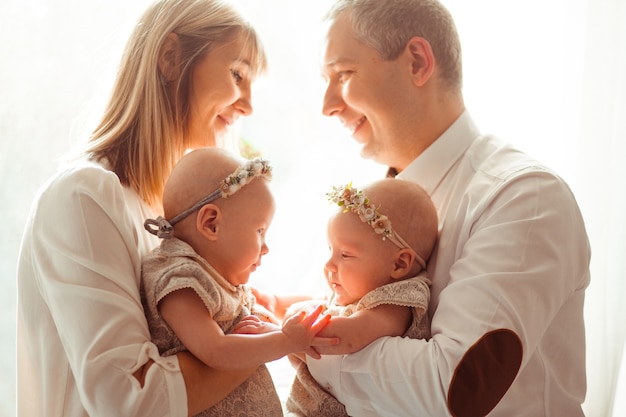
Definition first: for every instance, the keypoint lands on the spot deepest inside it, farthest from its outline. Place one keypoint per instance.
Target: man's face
(368, 94)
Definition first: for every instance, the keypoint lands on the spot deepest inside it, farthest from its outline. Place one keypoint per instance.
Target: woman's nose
(244, 103)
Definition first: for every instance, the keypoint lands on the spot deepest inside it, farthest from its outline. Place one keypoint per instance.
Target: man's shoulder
(492, 157)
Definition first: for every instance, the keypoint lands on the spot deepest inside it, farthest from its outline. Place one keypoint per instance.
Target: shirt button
(329, 388)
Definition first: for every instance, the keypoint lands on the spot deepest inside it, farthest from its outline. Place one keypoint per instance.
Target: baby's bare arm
(190, 320)
(365, 326)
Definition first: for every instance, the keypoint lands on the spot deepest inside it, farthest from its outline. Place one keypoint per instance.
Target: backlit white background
(547, 75)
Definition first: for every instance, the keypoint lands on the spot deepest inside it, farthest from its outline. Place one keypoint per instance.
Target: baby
(194, 285)
(379, 240)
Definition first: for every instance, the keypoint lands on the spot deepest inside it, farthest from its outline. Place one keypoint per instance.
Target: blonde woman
(83, 343)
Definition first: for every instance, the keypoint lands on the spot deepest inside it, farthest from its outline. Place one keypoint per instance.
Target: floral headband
(354, 200)
(230, 185)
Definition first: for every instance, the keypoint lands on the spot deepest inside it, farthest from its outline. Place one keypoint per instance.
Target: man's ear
(420, 54)
(169, 57)
(403, 263)
(208, 221)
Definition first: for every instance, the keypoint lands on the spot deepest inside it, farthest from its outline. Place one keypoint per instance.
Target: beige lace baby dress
(175, 265)
(307, 398)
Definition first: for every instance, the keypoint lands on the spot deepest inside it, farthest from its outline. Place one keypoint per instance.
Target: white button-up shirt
(509, 276)
(81, 327)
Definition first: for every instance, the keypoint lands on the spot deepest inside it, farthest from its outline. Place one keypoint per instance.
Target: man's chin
(367, 153)
(373, 156)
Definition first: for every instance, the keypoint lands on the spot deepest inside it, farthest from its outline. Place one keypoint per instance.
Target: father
(512, 263)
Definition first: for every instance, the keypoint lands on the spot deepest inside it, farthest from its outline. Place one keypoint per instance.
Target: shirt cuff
(168, 369)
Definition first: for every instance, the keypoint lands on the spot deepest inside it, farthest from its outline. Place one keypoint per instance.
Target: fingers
(313, 353)
(313, 320)
(244, 330)
(251, 318)
(310, 318)
(247, 328)
(254, 325)
(247, 321)
(296, 358)
(306, 319)
(325, 341)
(296, 318)
(321, 324)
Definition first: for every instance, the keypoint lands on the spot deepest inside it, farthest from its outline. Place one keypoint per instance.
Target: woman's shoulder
(82, 176)
(77, 187)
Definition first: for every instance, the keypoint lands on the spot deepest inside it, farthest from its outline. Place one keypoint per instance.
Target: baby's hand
(301, 329)
(254, 325)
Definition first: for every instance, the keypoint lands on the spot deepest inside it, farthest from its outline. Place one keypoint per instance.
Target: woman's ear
(208, 221)
(420, 54)
(403, 263)
(169, 57)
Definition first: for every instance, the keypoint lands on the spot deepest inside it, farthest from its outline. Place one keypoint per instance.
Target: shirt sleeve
(86, 254)
(520, 259)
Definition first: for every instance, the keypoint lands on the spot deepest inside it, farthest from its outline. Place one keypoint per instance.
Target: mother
(83, 342)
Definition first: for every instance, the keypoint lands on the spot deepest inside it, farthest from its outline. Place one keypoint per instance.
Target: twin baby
(217, 210)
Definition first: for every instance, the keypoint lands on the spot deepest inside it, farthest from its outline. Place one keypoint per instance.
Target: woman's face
(219, 91)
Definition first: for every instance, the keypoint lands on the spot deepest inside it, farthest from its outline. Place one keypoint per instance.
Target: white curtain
(547, 75)
(601, 180)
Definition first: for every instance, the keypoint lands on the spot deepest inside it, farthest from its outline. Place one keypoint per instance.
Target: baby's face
(247, 216)
(360, 260)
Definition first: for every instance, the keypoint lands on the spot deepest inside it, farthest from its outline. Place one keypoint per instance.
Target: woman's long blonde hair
(142, 133)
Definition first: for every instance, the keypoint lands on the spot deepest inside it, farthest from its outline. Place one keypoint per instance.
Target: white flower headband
(230, 185)
(354, 200)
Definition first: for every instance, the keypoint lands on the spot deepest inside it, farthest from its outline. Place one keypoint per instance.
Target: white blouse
(509, 276)
(81, 330)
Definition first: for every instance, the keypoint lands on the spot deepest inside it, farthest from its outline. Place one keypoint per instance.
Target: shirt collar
(429, 168)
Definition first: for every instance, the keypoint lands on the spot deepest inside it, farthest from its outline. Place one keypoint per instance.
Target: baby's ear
(403, 263)
(208, 221)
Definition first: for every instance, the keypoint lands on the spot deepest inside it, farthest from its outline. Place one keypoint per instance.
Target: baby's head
(221, 206)
(382, 233)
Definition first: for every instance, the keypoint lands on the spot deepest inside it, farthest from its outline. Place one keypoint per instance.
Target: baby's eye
(236, 75)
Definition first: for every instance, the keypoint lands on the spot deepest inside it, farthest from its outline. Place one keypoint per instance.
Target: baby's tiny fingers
(310, 318)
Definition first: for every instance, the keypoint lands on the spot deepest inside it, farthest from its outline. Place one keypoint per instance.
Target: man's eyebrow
(338, 61)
